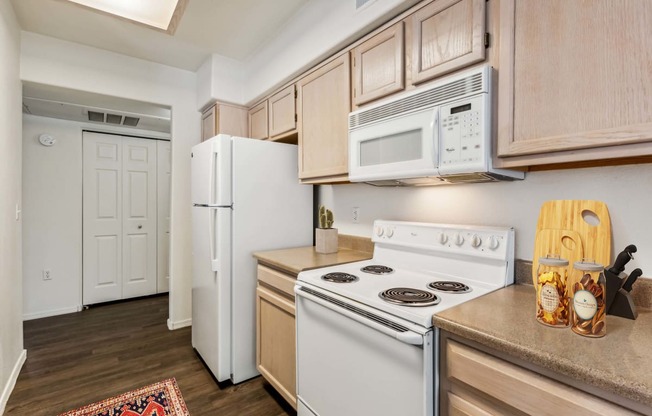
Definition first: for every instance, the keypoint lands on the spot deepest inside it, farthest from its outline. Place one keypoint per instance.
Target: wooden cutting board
(565, 243)
(570, 215)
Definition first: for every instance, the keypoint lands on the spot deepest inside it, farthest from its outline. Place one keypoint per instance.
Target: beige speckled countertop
(294, 260)
(620, 362)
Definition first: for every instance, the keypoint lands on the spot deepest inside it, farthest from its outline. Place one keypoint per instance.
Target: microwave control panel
(463, 143)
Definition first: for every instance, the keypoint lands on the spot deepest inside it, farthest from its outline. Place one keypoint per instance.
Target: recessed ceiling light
(155, 13)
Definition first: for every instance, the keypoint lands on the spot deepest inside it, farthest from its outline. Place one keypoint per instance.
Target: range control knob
(459, 239)
(443, 238)
(476, 241)
(492, 242)
(389, 233)
(380, 231)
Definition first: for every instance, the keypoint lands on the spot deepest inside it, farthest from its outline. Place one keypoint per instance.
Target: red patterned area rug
(158, 399)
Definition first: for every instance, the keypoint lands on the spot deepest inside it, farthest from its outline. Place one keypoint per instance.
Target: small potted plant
(325, 235)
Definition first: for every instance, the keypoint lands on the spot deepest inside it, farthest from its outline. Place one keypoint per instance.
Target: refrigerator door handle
(212, 197)
(212, 243)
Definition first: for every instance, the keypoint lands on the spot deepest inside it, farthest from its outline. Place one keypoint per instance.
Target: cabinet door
(231, 120)
(447, 35)
(283, 112)
(460, 407)
(574, 75)
(378, 65)
(208, 120)
(276, 350)
(258, 121)
(324, 101)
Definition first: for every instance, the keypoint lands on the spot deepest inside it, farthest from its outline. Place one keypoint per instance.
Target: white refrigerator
(246, 197)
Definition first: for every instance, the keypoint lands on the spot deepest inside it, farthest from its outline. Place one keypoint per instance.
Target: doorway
(126, 217)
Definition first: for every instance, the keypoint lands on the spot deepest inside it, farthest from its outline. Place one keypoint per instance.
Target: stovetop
(417, 257)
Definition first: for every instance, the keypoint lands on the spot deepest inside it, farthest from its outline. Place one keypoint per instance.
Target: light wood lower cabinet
(275, 331)
(476, 383)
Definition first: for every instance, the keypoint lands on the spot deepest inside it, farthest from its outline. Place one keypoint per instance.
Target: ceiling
(232, 28)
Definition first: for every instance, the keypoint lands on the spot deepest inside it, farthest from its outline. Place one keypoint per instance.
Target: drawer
(282, 282)
(519, 388)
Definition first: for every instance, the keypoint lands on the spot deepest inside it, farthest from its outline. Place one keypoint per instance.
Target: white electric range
(365, 340)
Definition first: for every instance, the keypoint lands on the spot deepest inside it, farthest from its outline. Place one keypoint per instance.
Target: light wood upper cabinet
(224, 119)
(574, 75)
(283, 112)
(208, 124)
(378, 65)
(447, 35)
(275, 331)
(258, 121)
(324, 103)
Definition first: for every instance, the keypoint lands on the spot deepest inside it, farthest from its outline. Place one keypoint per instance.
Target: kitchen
(51, 61)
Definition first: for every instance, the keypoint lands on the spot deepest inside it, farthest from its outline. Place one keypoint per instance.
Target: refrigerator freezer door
(211, 172)
(211, 288)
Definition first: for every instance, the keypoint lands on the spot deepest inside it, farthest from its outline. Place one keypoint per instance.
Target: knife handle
(622, 259)
(635, 274)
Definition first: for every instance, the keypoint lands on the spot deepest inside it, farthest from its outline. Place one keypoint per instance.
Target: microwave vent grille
(428, 98)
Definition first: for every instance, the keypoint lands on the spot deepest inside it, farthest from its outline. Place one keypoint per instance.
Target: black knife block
(622, 304)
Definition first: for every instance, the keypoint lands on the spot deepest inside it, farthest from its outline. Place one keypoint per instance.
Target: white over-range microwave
(435, 134)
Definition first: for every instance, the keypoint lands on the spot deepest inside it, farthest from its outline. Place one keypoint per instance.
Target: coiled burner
(338, 277)
(406, 296)
(449, 286)
(377, 269)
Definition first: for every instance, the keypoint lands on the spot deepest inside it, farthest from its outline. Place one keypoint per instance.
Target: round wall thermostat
(46, 140)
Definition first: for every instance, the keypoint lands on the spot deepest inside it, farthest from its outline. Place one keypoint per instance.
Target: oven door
(400, 147)
(351, 361)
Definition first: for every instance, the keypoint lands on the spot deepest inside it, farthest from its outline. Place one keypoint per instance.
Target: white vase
(326, 240)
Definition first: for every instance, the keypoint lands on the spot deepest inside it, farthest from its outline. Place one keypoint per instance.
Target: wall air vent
(96, 117)
(360, 3)
(113, 118)
(130, 121)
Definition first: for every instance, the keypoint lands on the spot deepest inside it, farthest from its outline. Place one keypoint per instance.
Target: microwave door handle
(435, 137)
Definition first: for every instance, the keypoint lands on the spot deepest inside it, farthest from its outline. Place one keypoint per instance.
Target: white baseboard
(9, 387)
(52, 312)
(179, 324)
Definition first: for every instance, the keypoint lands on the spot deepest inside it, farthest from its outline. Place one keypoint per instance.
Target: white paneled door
(120, 217)
(164, 167)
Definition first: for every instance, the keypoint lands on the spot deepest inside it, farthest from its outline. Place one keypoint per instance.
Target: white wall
(627, 191)
(69, 65)
(317, 30)
(11, 323)
(52, 214)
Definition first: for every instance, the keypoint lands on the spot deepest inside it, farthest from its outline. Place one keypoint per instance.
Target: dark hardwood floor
(81, 358)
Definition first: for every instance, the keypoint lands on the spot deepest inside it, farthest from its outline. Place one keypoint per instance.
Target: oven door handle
(369, 319)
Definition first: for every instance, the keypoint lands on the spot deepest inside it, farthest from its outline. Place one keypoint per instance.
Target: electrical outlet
(355, 215)
(47, 274)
